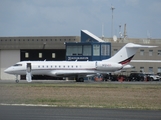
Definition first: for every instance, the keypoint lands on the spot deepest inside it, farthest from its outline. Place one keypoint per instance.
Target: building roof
(93, 36)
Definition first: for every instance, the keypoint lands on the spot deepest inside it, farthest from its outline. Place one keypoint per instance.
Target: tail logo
(126, 61)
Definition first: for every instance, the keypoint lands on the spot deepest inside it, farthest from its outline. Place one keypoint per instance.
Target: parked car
(159, 73)
(137, 77)
(153, 77)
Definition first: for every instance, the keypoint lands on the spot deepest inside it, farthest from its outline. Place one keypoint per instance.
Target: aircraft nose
(7, 70)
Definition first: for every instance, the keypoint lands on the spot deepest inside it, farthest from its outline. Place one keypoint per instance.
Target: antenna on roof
(114, 38)
(148, 34)
(102, 31)
(112, 8)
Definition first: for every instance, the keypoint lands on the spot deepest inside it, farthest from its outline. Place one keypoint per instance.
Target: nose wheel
(17, 81)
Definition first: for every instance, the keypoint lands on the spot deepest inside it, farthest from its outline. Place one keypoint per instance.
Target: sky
(69, 17)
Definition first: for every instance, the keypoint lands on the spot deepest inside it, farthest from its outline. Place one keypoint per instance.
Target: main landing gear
(81, 79)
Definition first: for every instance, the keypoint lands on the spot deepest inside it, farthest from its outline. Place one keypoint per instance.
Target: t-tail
(126, 53)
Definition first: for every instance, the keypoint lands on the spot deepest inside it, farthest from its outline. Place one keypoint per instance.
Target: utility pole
(112, 8)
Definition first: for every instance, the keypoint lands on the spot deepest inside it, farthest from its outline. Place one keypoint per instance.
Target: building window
(150, 52)
(159, 69)
(141, 69)
(115, 51)
(26, 55)
(53, 55)
(79, 49)
(96, 50)
(40, 55)
(141, 52)
(159, 52)
(69, 50)
(105, 50)
(151, 69)
(74, 50)
(87, 50)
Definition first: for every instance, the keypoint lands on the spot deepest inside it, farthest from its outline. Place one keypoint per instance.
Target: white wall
(7, 59)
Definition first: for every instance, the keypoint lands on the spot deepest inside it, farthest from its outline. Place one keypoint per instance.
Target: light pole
(112, 8)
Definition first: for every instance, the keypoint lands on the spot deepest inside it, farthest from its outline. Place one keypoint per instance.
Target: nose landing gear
(17, 81)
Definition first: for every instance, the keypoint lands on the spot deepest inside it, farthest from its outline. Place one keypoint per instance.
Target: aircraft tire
(17, 81)
(80, 80)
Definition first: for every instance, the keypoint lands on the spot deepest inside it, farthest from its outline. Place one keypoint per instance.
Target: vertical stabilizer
(126, 53)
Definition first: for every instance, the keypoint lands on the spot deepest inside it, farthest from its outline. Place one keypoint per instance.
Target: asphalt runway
(54, 113)
(72, 82)
(19, 112)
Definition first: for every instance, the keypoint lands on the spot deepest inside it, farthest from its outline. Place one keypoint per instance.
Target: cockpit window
(17, 65)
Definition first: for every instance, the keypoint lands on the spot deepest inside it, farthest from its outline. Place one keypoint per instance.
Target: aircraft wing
(70, 73)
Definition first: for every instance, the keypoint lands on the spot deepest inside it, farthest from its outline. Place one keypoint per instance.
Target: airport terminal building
(53, 48)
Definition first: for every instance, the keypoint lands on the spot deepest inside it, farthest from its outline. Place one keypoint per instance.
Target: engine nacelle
(106, 66)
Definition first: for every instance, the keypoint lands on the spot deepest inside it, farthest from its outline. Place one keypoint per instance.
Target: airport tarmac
(86, 81)
(58, 113)
(27, 112)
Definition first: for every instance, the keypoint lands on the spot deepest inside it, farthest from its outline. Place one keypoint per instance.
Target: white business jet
(77, 69)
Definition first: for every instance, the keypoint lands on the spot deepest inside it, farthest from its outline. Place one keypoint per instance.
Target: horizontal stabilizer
(132, 45)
